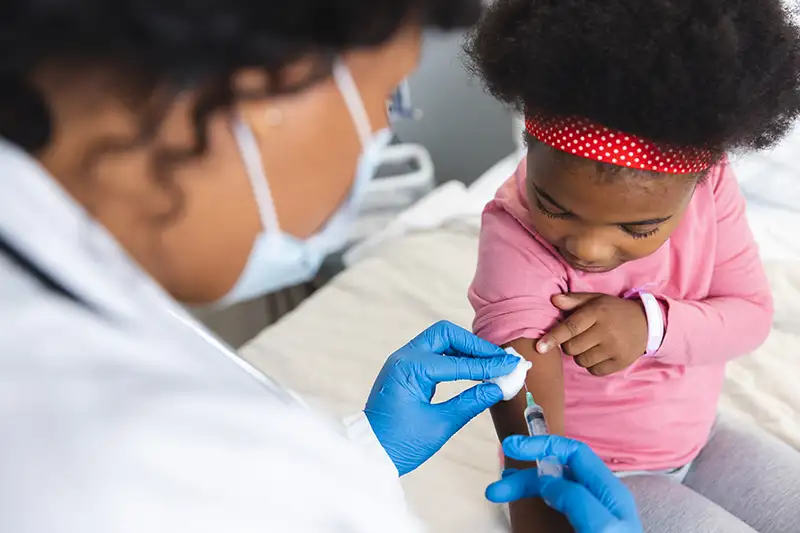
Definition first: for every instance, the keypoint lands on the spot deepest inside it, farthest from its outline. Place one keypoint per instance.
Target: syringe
(537, 426)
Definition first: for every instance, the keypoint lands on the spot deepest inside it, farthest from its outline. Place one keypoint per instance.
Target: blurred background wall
(465, 130)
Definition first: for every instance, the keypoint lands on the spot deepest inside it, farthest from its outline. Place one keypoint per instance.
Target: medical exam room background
(465, 130)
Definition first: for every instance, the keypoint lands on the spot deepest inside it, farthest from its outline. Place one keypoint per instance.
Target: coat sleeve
(106, 432)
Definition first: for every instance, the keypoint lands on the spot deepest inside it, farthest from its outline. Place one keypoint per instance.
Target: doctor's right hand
(409, 427)
(592, 498)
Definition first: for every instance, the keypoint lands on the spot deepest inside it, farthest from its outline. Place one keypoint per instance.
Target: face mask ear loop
(254, 165)
(352, 98)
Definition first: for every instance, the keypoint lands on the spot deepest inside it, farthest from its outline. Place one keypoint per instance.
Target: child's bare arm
(546, 382)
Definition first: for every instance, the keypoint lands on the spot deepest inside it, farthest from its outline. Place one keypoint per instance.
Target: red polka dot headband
(585, 138)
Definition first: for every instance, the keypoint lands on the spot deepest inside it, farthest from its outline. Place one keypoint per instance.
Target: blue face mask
(280, 260)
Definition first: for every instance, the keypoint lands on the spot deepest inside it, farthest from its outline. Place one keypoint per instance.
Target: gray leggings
(743, 481)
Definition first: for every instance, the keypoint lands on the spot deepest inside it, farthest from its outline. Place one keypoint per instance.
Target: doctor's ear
(261, 97)
(259, 111)
(261, 117)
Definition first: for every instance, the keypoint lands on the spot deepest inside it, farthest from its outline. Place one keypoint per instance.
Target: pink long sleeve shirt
(708, 276)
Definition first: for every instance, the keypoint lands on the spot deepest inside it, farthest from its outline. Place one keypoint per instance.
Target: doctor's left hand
(409, 427)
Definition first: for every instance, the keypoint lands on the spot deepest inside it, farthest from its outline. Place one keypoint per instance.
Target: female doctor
(153, 153)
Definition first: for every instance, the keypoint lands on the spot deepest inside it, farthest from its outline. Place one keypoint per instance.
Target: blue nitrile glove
(590, 495)
(409, 427)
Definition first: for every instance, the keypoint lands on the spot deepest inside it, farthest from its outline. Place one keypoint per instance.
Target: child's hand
(604, 334)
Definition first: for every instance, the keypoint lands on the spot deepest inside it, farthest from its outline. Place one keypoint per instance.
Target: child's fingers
(583, 342)
(605, 368)
(575, 324)
(573, 300)
(592, 358)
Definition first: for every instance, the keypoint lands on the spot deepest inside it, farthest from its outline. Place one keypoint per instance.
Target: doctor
(153, 153)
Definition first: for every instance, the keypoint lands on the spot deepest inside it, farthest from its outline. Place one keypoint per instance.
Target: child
(618, 258)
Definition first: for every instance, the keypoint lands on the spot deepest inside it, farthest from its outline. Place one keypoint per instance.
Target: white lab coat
(120, 414)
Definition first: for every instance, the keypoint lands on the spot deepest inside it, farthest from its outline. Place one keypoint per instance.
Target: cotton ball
(512, 383)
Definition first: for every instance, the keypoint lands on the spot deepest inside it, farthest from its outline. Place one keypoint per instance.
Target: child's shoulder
(510, 203)
(717, 193)
(507, 235)
(508, 210)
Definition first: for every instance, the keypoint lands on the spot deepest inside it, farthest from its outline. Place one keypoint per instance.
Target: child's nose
(590, 249)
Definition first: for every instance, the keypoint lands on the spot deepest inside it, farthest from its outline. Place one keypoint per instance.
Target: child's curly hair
(718, 74)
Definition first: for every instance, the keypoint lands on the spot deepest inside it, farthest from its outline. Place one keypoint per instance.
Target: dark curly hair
(718, 74)
(157, 48)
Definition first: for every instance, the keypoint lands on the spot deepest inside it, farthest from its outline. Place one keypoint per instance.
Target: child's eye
(547, 212)
(639, 234)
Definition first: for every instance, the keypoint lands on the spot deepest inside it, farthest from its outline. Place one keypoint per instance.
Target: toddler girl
(618, 258)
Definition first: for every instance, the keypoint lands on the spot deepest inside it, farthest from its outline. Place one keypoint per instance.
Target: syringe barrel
(534, 418)
(537, 426)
